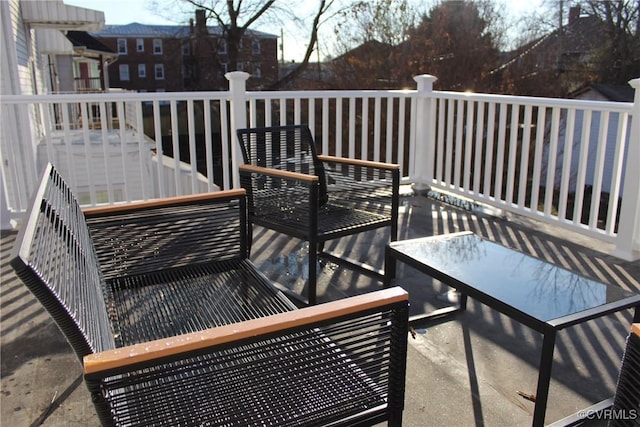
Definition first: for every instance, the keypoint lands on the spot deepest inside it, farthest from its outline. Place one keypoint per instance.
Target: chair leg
(313, 261)
(249, 239)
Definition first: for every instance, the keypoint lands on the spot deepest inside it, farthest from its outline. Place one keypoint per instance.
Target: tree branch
(313, 40)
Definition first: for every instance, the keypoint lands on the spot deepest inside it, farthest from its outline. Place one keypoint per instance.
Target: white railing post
(5, 215)
(628, 237)
(238, 112)
(423, 155)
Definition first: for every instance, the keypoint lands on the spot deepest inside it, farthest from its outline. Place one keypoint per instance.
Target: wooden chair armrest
(356, 162)
(635, 329)
(141, 353)
(278, 173)
(158, 203)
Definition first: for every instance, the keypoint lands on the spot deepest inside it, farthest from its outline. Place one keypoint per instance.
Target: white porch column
(628, 238)
(424, 152)
(238, 111)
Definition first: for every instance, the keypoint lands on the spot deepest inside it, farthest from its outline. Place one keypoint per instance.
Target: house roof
(617, 93)
(82, 39)
(579, 36)
(136, 29)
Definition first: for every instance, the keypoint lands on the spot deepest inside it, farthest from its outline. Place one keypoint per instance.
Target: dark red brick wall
(205, 63)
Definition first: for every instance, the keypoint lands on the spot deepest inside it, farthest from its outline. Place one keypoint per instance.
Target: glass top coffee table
(542, 296)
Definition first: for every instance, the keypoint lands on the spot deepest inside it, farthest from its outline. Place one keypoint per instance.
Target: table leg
(389, 268)
(544, 377)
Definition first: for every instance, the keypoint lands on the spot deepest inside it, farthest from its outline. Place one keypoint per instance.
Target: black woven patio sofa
(175, 326)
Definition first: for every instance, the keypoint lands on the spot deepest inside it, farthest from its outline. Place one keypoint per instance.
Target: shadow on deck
(465, 370)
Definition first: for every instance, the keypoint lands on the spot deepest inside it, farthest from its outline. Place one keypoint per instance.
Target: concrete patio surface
(468, 369)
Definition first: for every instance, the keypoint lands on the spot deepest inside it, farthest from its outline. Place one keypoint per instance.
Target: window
(157, 46)
(140, 45)
(188, 71)
(124, 72)
(225, 67)
(222, 46)
(142, 71)
(255, 46)
(122, 46)
(159, 71)
(186, 48)
(257, 70)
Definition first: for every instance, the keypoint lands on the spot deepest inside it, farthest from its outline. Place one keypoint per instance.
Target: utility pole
(281, 46)
(560, 65)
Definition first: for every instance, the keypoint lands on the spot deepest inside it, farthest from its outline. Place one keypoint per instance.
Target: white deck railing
(566, 162)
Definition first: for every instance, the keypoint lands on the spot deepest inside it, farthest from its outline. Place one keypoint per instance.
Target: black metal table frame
(548, 329)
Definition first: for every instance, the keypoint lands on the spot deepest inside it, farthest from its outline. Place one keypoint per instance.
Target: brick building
(157, 58)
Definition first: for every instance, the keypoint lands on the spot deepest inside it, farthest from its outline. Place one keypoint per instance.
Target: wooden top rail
(143, 352)
(357, 162)
(156, 203)
(279, 173)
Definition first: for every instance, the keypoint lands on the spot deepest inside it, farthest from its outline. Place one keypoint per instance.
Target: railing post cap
(237, 75)
(425, 77)
(635, 83)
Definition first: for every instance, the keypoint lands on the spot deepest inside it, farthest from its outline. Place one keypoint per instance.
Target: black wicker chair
(626, 402)
(293, 190)
(175, 326)
(623, 409)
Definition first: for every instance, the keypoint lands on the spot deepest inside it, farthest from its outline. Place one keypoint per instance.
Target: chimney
(574, 14)
(201, 21)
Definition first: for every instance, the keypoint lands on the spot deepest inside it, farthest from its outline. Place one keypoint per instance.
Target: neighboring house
(33, 46)
(604, 152)
(158, 58)
(603, 92)
(43, 51)
(34, 43)
(564, 55)
(90, 62)
(369, 65)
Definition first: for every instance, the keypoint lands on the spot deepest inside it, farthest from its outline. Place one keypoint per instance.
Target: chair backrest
(626, 402)
(54, 257)
(289, 148)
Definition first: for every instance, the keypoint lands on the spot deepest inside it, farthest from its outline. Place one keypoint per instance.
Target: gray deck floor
(464, 370)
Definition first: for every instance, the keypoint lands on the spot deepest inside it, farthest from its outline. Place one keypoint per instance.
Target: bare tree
(455, 42)
(617, 60)
(323, 7)
(235, 17)
(369, 36)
